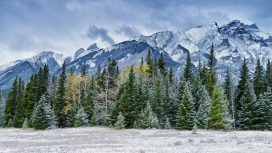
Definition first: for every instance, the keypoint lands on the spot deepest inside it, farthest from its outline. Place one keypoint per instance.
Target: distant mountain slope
(232, 43)
(25, 68)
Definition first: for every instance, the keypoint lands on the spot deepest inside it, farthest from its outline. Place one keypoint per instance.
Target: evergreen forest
(143, 96)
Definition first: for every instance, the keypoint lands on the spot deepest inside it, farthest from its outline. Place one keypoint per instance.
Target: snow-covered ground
(100, 139)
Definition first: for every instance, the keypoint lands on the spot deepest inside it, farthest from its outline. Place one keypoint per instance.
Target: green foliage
(244, 76)
(188, 72)
(43, 116)
(258, 79)
(228, 90)
(59, 102)
(10, 123)
(81, 118)
(186, 114)
(25, 124)
(147, 119)
(120, 123)
(2, 111)
(218, 110)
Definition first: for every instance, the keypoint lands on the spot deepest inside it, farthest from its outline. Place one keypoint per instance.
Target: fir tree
(43, 116)
(185, 116)
(229, 92)
(149, 62)
(268, 75)
(244, 75)
(258, 79)
(19, 118)
(162, 65)
(157, 104)
(2, 111)
(211, 75)
(89, 101)
(10, 123)
(147, 119)
(248, 113)
(218, 110)
(120, 123)
(201, 102)
(25, 124)
(71, 117)
(171, 75)
(11, 101)
(188, 72)
(59, 101)
(81, 118)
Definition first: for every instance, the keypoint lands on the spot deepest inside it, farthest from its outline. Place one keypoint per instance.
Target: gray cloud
(36, 25)
(94, 33)
(128, 31)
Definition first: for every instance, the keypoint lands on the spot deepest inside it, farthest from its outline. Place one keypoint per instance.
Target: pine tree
(90, 100)
(11, 101)
(244, 75)
(2, 111)
(59, 101)
(94, 120)
(81, 118)
(171, 75)
(120, 123)
(185, 116)
(248, 113)
(228, 88)
(43, 116)
(147, 119)
(25, 124)
(268, 75)
(71, 117)
(157, 103)
(127, 99)
(264, 120)
(211, 75)
(167, 124)
(149, 62)
(218, 110)
(19, 118)
(258, 79)
(10, 123)
(162, 65)
(201, 102)
(188, 72)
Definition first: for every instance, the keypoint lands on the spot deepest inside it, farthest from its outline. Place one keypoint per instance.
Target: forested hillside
(142, 96)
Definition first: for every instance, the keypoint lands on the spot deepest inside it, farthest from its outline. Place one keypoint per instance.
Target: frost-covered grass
(101, 139)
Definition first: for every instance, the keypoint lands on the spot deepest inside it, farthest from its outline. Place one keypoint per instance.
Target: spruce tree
(90, 100)
(162, 65)
(19, 118)
(188, 71)
(81, 118)
(43, 116)
(149, 62)
(157, 100)
(201, 102)
(2, 111)
(171, 75)
(120, 123)
(25, 124)
(248, 114)
(11, 101)
(244, 76)
(258, 79)
(268, 75)
(59, 101)
(218, 110)
(186, 114)
(264, 120)
(228, 88)
(147, 119)
(211, 75)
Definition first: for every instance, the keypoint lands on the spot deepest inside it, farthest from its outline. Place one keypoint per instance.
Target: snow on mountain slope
(25, 68)
(233, 42)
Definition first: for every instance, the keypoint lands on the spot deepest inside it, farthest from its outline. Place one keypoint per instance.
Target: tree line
(143, 96)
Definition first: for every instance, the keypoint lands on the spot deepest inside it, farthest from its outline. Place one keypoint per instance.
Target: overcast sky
(29, 27)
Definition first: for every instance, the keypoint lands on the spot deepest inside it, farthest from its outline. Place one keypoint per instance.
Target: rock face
(233, 42)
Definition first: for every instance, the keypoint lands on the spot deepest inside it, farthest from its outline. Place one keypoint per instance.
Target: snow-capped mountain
(25, 68)
(232, 43)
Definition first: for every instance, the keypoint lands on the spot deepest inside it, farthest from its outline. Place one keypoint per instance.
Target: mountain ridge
(233, 42)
